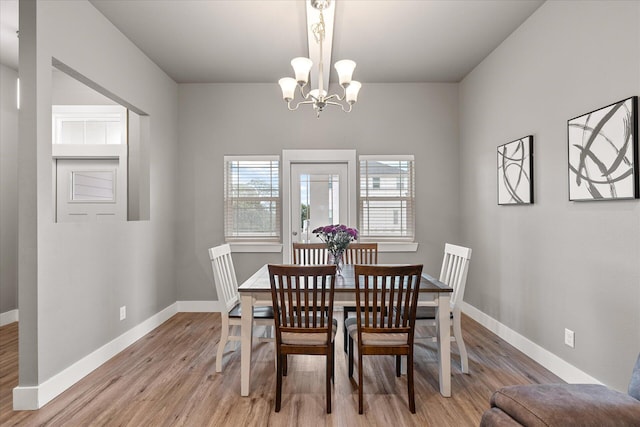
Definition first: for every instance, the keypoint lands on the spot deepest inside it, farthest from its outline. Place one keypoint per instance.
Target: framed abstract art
(515, 172)
(603, 153)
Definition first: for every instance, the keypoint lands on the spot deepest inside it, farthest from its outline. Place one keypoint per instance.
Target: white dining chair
(224, 276)
(453, 273)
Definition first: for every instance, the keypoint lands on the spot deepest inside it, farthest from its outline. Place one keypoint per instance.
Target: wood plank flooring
(168, 378)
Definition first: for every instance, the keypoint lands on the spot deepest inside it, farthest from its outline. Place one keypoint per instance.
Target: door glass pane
(319, 203)
(94, 186)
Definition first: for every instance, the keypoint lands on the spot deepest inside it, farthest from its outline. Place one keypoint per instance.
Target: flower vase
(336, 259)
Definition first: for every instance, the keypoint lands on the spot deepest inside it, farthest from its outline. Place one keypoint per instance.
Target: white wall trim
(34, 397)
(397, 247)
(8, 317)
(255, 247)
(564, 370)
(104, 151)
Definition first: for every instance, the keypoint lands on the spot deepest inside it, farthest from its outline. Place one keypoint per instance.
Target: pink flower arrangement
(337, 237)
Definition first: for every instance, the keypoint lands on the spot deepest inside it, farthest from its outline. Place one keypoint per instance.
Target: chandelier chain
(318, 29)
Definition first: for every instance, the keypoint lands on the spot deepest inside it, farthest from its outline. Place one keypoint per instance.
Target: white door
(90, 190)
(319, 196)
(306, 179)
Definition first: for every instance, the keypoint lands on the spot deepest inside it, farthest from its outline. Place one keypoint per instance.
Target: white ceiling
(243, 41)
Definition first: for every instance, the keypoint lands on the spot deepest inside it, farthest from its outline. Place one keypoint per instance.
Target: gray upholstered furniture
(565, 405)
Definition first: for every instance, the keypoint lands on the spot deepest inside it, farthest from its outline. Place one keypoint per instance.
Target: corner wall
(8, 192)
(555, 264)
(75, 276)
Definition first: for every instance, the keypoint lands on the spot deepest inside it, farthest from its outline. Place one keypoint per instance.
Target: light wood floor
(168, 378)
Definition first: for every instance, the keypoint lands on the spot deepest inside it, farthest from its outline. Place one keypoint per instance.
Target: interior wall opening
(100, 152)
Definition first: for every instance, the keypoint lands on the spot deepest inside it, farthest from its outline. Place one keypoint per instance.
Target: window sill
(397, 247)
(277, 247)
(256, 247)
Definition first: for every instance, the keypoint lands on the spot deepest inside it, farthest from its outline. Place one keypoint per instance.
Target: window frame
(253, 242)
(88, 115)
(363, 178)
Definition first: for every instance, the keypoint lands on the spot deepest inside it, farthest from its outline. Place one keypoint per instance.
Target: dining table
(256, 291)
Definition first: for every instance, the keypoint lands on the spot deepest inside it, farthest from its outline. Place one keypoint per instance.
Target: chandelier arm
(341, 106)
(336, 97)
(304, 96)
(298, 104)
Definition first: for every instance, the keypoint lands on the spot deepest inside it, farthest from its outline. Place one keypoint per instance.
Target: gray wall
(65, 90)
(537, 269)
(8, 190)
(220, 119)
(74, 277)
(555, 264)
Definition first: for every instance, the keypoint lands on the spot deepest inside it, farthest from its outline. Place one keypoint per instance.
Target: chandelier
(318, 98)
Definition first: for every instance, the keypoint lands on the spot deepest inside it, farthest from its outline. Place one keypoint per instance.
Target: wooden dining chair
(303, 302)
(453, 273)
(386, 302)
(361, 253)
(224, 276)
(357, 253)
(309, 253)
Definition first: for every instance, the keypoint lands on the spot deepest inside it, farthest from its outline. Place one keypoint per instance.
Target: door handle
(295, 233)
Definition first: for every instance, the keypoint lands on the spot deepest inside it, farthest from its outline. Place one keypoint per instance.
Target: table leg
(246, 333)
(444, 345)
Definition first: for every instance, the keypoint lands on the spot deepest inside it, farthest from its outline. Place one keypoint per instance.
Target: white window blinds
(387, 198)
(252, 198)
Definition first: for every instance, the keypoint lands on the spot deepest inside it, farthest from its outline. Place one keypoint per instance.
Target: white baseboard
(8, 317)
(558, 366)
(34, 397)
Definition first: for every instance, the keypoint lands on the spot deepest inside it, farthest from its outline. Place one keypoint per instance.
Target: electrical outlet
(123, 312)
(569, 338)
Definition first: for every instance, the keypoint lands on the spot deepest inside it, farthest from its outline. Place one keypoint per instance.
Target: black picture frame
(603, 153)
(515, 172)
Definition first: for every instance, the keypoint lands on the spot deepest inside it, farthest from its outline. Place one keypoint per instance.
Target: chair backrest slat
(361, 253)
(309, 253)
(455, 266)
(224, 276)
(302, 297)
(387, 297)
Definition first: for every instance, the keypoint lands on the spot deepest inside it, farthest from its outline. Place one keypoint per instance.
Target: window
(89, 124)
(252, 198)
(93, 186)
(387, 198)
